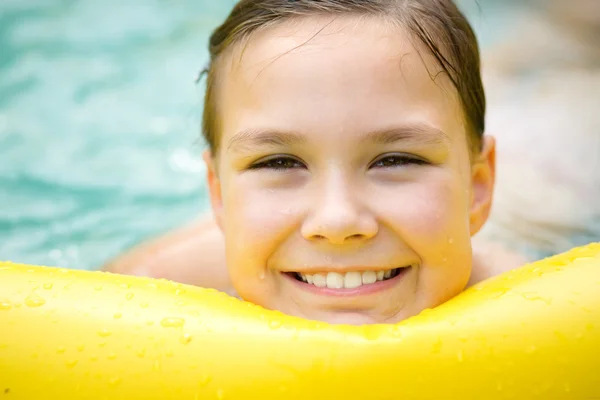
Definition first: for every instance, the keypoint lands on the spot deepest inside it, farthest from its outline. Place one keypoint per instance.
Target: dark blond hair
(437, 24)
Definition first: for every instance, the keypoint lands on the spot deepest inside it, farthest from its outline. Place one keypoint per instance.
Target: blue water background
(99, 121)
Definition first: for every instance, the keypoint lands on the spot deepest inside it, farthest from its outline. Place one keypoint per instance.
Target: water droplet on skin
(172, 322)
(261, 275)
(129, 296)
(104, 333)
(117, 315)
(450, 240)
(71, 363)
(185, 338)
(47, 286)
(34, 300)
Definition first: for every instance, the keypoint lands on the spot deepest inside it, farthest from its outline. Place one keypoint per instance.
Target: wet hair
(438, 24)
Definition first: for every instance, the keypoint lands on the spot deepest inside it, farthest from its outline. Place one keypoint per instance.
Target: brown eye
(397, 160)
(278, 163)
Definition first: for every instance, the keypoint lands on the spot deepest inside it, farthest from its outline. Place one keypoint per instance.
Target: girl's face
(343, 183)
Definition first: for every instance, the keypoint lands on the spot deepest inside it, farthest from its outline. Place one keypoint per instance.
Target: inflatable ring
(532, 333)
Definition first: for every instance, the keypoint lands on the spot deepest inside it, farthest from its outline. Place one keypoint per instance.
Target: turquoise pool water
(99, 122)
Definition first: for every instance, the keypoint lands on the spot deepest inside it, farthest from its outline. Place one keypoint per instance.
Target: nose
(338, 214)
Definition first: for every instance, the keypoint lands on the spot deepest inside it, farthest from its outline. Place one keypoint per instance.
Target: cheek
(256, 221)
(432, 217)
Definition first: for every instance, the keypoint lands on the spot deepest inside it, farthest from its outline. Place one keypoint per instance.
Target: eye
(398, 160)
(278, 163)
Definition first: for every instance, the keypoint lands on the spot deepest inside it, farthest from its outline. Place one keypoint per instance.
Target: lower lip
(359, 291)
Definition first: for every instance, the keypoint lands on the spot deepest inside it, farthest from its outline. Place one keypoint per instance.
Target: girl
(347, 163)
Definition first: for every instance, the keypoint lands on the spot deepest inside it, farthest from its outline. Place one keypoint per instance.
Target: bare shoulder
(194, 255)
(491, 259)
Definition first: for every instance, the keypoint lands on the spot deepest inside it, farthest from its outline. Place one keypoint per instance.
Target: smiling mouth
(346, 280)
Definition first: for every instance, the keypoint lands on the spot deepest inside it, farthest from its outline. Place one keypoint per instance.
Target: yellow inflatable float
(532, 333)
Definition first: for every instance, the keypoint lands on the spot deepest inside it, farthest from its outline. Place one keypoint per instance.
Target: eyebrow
(413, 134)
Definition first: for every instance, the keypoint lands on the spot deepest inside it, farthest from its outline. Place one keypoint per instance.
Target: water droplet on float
(172, 322)
(531, 349)
(61, 349)
(144, 305)
(34, 300)
(112, 356)
(71, 363)
(117, 315)
(129, 296)
(185, 338)
(220, 394)
(47, 286)
(203, 381)
(5, 305)
(114, 381)
(98, 288)
(460, 356)
(80, 348)
(104, 333)
(141, 353)
(535, 296)
(275, 324)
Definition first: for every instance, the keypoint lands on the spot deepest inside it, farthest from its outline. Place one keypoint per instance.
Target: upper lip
(343, 269)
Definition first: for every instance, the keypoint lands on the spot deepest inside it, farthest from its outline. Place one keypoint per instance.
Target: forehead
(326, 75)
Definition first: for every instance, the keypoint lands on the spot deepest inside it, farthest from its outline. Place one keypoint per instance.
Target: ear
(482, 184)
(214, 187)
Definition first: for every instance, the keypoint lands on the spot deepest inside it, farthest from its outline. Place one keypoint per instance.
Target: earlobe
(482, 182)
(214, 187)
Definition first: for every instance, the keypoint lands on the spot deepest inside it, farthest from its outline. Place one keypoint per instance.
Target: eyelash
(400, 160)
(276, 164)
(282, 163)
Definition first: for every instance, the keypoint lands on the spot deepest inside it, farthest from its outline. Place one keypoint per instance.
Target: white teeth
(319, 280)
(369, 277)
(352, 280)
(335, 280)
(348, 280)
